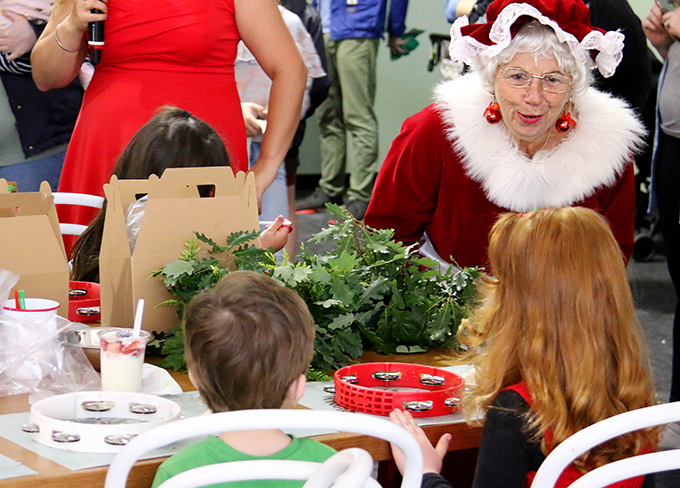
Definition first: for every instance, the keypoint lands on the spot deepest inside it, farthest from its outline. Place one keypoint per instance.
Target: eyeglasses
(550, 82)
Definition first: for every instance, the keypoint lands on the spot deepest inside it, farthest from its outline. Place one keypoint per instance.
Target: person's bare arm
(56, 64)
(264, 32)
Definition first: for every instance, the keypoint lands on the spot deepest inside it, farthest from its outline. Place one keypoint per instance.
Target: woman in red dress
(168, 52)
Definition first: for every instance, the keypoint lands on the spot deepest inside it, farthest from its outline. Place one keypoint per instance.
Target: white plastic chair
(349, 468)
(596, 434)
(82, 199)
(317, 474)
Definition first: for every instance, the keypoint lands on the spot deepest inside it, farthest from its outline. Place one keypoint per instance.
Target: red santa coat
(449, 173)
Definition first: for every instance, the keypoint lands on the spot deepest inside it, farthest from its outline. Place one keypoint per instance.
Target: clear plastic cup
(122, 359)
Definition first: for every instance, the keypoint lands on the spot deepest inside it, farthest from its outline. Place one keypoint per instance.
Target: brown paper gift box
(174, 211)
(31, 244)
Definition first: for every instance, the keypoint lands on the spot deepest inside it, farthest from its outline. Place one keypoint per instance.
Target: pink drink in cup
(122, 359)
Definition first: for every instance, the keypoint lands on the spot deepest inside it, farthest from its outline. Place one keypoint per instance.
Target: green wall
(641, 7)
(404, 86)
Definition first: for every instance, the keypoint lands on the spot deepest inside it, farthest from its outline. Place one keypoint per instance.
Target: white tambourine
(97, 421)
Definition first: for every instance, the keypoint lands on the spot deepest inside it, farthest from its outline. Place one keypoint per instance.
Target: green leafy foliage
(369, 292)
(317, 375)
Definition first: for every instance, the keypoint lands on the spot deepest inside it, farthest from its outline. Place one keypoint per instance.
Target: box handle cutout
(206, 191)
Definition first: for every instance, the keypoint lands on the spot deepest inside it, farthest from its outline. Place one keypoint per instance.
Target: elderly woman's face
(529, 113)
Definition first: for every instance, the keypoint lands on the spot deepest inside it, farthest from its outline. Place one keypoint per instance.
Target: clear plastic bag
(32, 359)
(7, 282)
(31, 356)
(133, 220)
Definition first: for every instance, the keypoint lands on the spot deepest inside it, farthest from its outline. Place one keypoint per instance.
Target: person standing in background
(311, 18)
(35, 127)
(352, 32)
(304, 23)
(253, 88)
(633, 80)
(662, 28)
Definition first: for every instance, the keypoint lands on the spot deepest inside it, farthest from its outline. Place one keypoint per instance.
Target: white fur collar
(595, 153)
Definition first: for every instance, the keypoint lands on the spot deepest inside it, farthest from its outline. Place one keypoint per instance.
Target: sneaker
(670, 437)
(357, 208)
(316, 199)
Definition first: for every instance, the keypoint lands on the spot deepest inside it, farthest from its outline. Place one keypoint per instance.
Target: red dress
(157, 53)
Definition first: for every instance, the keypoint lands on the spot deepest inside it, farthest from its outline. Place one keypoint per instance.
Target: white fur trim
(463, 48)
(594, 154)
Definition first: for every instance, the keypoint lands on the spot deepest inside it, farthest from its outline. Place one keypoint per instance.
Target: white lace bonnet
(570, 19)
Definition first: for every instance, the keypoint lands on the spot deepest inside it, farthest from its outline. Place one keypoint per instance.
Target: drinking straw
(22, 300)
(138, 318)
(16, 300)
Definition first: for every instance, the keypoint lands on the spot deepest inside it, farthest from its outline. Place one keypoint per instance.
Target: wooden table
(52, 475)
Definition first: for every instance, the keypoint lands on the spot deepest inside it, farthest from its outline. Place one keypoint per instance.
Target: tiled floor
(655, 303)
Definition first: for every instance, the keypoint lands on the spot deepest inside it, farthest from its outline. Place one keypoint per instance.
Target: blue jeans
(29, 175)
(275, 198)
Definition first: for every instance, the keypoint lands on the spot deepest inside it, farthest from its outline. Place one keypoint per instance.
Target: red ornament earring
(492, 114)
(565, 122)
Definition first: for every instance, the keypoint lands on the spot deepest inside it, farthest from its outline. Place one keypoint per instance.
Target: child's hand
(276, 234)
(432, 456)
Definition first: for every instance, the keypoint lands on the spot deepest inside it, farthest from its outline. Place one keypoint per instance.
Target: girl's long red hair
(559, 315)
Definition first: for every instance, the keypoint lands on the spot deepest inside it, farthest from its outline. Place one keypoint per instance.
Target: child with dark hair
(173, 138)
(248, 344)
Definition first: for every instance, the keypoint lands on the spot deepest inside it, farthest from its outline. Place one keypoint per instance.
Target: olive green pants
(349, 109)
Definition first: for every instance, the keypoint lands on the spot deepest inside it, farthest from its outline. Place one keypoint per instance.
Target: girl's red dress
(570, 474)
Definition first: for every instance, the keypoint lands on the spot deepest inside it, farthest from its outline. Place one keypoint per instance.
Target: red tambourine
(84, 302)
(374, 388)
